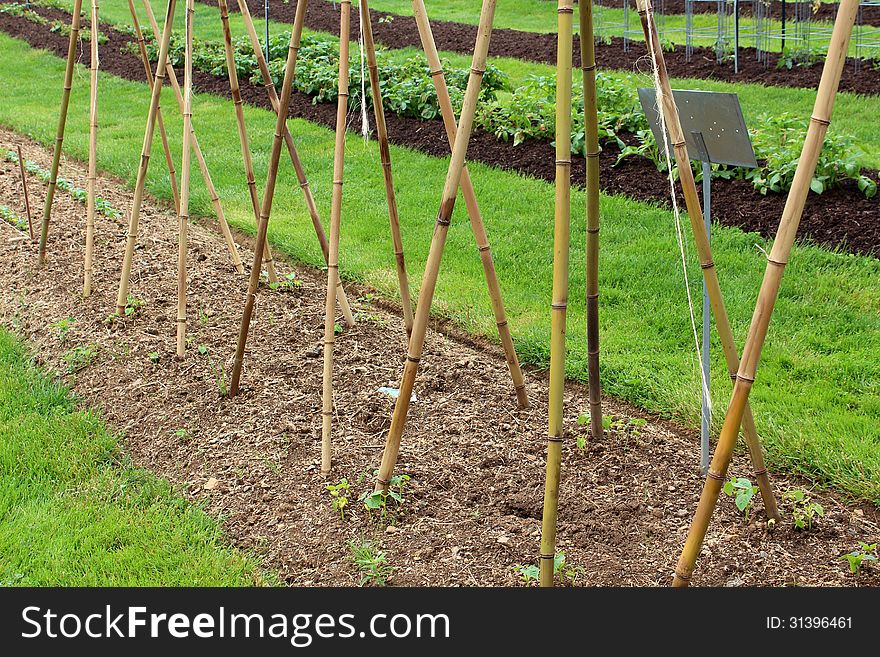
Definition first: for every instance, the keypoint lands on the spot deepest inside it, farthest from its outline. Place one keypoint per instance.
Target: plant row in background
(23, 11)
(527, 111)
(79, 194)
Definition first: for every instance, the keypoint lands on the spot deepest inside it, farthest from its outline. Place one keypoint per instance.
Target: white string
(677, 214)
(365, 122)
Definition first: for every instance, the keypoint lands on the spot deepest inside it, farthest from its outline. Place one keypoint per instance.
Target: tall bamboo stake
(24, 191)
(385, 155)
(93, 153)
(200, 158)
(791, 216)
(235, 92)
(704, 250)
(269, 191)
(186, 168)
(335, 221)
(470, 198)
(160, 122)
(438, 241)
(591, 122)
(294, 156)
(561, 235)
(62, 122)
(134, 218)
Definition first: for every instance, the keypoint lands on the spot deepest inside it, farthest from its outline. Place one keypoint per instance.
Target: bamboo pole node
(559, 306)
(820, 121)
(707, 265)
(484, 249)
(502, 325)
(776, 263)
(563, 163)
(591, 67)
(593, 154)
(565, 10)
(478, 71)
(744, 378)
(437, 72)
(413, 359)
(714, 475)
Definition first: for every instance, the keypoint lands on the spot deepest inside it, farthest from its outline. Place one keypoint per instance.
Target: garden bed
(839, 218)
(471, 512)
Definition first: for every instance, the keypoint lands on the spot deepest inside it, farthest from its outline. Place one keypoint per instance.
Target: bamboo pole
(200, 158)
(704, 250)
(561, 236)
(235, 92)
(160, 122)
(134, 218)
(269, 190)
(62, 122)
(438, 241)
(473, 208)
(24, 191)
(186, 169)
(779, 255)
(335, 221)
(294, 156)
(591, 123)
(385, 155)
(93, 154)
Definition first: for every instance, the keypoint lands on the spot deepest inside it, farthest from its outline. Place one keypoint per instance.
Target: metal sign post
(716, 133)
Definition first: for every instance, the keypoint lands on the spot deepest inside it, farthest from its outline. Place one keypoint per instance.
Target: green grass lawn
(855, 115)
(74, 512)
(817, 399)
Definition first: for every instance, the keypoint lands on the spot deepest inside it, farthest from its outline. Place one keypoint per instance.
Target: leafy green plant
(217, 370)
(11, 217)
(79, 357)
(561, 569)
(804, 511)
(528, 574)
(743, 491)
(153, 356)
(856, 558)
(339, 494)
(377, 500)
(289, 282)
(133, 306)
(372, 562)
(63, 326)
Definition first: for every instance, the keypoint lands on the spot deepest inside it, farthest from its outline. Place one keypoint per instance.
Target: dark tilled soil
(531, 46)
(840, 218)
(472, 509)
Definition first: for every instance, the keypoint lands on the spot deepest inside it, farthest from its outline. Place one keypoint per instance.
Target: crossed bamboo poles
(737, 411)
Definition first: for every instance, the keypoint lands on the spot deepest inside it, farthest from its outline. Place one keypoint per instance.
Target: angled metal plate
(713, 124)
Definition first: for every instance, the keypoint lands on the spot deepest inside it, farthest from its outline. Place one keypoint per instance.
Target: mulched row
(472, 508)
(840, 218)
(395, 31)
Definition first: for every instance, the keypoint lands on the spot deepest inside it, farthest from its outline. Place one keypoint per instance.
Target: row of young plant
(527, 111)
(102, 205)
(21, 10)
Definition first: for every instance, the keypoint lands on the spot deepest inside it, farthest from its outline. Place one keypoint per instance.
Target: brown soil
(400, 32)
(472, 509)
(840, 218)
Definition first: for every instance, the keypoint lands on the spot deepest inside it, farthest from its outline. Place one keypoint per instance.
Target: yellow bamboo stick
(93, 154)
(704, 250)
(335, 221)
(62, 122)
(779, 255)
(561, 237)
(470, 199)
(432, 266)
(186, 167)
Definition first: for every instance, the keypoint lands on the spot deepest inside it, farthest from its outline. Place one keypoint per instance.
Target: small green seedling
(153, 356)
(133, 306)
(63, 326)
(181, 433)
(373, 564)
(290, 282)
(377, 500)
(857, 557)
(804, 510)
(339, 493)
(218, 371)
(79, 357)
(337, 328)
(742, 490)
(528, 574)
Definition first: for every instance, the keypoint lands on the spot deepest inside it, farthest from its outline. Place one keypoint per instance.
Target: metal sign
(713, 124)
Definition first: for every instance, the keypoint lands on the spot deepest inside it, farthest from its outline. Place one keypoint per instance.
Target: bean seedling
(857, 557)
(339, 493)
(743, 491)
(805, 510)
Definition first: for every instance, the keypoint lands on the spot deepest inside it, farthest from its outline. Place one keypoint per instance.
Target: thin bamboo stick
(294, 156)
(704, 250)
(93, 154)
(160, 122)
(779, 255)
(200, 158)
(335, 222)
(561, 237)
(62, 122)
(438, 241)
(591, 122)
(473, 208)
(134, 218)
(385, 155)
(186, 169)
(235, 92)
(269, 191)
(24, 191)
